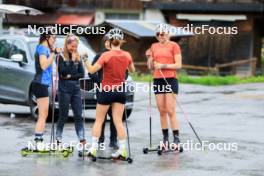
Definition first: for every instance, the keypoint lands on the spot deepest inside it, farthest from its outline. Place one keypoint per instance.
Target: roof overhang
(50, 19)
(18, 9)
(210, 17)
(143, 29)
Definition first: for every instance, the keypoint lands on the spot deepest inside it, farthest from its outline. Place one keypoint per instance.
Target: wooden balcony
(91, 4)
(182, 5)
(208, 1)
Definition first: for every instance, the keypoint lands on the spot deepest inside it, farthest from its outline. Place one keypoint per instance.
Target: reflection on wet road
(224, 114)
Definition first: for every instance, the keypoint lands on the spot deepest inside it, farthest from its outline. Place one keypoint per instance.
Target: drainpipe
(1, 19)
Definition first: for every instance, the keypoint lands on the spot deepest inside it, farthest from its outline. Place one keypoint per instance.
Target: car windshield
(82, 47)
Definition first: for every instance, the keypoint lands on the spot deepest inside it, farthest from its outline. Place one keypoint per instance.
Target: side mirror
(17, 58)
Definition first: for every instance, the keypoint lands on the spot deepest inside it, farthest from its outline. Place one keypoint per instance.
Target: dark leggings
(65, 99)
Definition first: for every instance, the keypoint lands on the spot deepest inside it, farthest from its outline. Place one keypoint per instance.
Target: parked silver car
(17, 69)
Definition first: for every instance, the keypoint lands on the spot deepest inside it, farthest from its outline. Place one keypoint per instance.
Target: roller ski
(165, 143)
(169, 150)
(117, 156)
(39, 148)
(121, 155)
(65, 152)
(147, 150)
(164, 146)
(91, 153)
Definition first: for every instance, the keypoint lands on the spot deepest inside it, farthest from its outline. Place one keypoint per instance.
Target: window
(19, 48)
(5, 48)
(121, 16)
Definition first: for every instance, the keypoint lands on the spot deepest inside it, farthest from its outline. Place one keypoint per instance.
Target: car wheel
(128, 113)
(34, 109)
(33, 106)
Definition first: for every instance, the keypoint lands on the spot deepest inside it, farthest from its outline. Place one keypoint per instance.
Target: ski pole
(53, 94)
(128, 140)
(184, 114)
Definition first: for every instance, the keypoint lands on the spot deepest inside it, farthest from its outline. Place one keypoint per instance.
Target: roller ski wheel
(129, 160)
(181, 149)
(24, 152)
(93, 158)
(145, 150)
(65, 153)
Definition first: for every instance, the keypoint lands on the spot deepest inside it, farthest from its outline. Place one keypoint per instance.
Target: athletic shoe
(37, 144)
(176, 141)
(119, 153)
(92, 152)
(165, 145)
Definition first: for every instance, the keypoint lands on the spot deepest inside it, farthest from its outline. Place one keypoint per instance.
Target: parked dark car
(17, 71)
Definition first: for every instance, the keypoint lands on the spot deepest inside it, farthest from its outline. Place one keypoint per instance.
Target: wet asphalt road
(224, 114)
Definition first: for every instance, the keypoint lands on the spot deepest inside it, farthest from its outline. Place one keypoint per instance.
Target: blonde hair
(65, 49)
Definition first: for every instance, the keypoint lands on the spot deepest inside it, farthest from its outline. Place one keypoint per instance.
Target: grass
(206, 80)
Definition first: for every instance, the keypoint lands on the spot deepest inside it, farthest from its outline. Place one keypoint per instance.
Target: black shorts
(160, 86)
(107, 98)
(40, 90)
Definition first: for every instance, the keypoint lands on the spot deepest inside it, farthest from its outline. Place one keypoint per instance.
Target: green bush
(205, 80)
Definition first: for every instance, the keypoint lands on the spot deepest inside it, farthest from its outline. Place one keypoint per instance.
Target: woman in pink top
(165, 58)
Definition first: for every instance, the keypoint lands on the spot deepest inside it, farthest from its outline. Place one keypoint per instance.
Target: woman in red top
(115, 63)
(165, 58)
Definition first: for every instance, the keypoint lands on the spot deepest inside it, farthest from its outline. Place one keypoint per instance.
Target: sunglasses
(161, 34)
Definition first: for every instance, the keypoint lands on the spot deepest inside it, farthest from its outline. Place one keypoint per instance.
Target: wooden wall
(208, 50)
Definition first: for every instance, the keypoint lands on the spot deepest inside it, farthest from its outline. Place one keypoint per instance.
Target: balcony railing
(111, 4)
(209, 1)
(114, 4)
